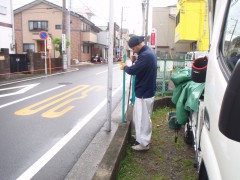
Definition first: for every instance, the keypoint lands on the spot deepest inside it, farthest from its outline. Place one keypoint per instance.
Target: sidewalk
(102, 157)
(13, 77)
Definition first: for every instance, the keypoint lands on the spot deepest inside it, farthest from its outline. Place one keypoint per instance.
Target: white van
(216, 126)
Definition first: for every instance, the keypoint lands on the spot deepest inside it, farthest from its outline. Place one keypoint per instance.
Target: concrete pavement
(102, 157)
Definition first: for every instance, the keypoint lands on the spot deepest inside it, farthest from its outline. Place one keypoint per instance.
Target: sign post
(44, 35)
(153, 40)
(64, 52)
(49, 47)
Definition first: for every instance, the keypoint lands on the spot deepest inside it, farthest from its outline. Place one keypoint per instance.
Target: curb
(109, 166)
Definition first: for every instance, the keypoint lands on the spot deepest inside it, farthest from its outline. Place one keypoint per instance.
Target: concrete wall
(163, 20)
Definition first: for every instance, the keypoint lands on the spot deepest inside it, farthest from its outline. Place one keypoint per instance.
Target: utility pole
(69, 33)
(145, 5)
(13, 44)
(146, 25)
(121, 39)
(143, 16)
(110, 64)
(64, 58)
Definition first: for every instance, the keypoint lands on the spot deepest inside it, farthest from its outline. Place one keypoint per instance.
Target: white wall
(6, 27)
(103, 38)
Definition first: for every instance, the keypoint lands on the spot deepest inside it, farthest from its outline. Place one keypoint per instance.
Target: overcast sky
(132, 10)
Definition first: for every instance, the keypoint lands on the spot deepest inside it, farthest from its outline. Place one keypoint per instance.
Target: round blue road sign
(43, 35)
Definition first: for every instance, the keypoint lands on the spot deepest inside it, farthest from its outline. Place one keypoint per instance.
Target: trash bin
(199, 69)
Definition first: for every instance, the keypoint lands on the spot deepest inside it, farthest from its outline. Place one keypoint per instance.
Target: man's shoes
(139, 147)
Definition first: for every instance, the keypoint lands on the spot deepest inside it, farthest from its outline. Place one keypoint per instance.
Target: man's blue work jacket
(145, 69)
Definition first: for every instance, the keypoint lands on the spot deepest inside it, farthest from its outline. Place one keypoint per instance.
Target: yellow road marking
(52, 113)
(32, 109)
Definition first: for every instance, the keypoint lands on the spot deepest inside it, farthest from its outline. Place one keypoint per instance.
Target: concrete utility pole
(13, 44)
(143, 16)
(110, 64)
(121, 39)
(69, 33)
(146, 24)
(64, 58)
(145, 6)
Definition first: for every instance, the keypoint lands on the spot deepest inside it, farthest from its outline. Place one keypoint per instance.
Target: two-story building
(163, 21)
(192, 24)
(124, 44)
(41, 15)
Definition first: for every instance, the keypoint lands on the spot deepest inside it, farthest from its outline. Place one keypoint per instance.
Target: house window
(85, 49)
(38, 25)
(85, 27)
(58, 26)
(3, 10)
(28, 46)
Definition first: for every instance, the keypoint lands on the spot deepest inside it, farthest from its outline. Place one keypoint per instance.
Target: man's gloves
(122, 64)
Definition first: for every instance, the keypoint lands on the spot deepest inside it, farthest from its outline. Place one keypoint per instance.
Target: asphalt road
(47, 123)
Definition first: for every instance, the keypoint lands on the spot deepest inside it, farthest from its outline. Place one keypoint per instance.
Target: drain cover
(65, 83)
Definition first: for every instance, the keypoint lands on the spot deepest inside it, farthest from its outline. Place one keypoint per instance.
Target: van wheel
(203, 173)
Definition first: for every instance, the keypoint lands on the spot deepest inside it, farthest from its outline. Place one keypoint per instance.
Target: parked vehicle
(216, 126)
(191, 56)
(195, 54)
(95, 59)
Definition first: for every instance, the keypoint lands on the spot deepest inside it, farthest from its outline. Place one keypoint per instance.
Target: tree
(58, 45)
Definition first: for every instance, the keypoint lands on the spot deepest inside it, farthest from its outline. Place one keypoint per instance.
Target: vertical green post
(133, 89)
(123, 92)
(164, 77)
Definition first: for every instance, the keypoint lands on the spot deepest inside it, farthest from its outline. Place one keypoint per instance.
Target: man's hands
(133, 58)
(122, 65)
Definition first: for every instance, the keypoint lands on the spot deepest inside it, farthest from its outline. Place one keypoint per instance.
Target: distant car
(190, 56)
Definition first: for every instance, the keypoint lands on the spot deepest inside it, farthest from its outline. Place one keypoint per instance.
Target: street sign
(43, 35)
(63, 42)
(49, 43)
(153, 37)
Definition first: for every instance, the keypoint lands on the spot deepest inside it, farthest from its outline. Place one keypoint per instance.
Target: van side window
(231, 39)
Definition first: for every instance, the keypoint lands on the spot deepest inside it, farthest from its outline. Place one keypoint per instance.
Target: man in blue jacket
(145, 69)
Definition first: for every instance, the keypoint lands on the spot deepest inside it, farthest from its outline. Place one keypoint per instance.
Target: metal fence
(165, 69)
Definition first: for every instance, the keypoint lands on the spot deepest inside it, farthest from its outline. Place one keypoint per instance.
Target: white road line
(101, 72)
(38, 165)
(107, 70)
(23, 89)
(13, 102)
